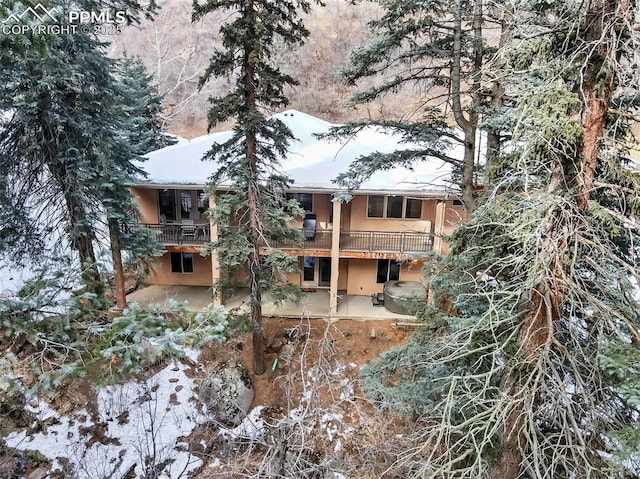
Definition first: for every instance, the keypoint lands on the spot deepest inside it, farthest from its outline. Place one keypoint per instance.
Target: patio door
(316, 271)
(324, 272)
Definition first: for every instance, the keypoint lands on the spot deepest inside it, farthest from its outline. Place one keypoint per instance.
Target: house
(352, 247)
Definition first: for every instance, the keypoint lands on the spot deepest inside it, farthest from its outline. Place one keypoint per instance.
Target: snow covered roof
(311, 163)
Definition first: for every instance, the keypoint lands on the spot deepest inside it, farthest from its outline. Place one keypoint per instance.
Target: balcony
(355, 241)
(365, 241)
(181, 234)
(386, 241)
(318, 240)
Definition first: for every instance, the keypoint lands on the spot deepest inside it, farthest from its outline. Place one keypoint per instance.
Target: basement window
(181, 262)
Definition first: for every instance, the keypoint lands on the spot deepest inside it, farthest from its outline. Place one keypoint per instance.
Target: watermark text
(39, 20)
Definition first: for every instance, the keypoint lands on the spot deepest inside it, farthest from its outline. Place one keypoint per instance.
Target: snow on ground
(143, 427)
(144, 423)
(329, 420)
(252, 427)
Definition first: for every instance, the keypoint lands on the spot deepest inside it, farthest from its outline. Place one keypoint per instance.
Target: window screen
(167, 204)
(176, 262)
(185, 204)
(375, 207)
(414, 208)
(203, 203)
(394, 206)
(305, 200)
(187, 262)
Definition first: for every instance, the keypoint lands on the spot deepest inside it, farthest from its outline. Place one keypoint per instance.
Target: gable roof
(311, 163)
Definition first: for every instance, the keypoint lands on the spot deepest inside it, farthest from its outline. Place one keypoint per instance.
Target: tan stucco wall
(147, 200)
(294, 278)
(362, 276)
(147, 203)
(358, 220)
(357, 276)
(343, 278)
(161, 272)
(453, 217)
(429, 210)
(345, 216)
(321, 210)
(242, 276)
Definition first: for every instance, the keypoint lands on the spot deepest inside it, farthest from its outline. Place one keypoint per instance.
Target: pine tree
(537, 373)
(142, 130)
(65, 146)
(249, 161)
(142, 105)
(436, 50)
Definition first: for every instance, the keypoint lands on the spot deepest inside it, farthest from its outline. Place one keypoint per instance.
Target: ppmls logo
(39, 11)
(42, 20)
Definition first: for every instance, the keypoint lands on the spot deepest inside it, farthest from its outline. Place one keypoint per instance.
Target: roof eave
(438, 193)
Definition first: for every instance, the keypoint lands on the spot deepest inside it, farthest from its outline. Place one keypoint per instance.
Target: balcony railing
(386, 241)
(313, 240)
(179, 234)
(365, 241)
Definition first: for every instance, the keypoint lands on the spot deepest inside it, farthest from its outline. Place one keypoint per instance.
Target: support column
(335, 258)
(215, 266)
(439, 226)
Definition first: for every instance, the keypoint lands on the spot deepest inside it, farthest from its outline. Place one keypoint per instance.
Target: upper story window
(167, 205)
(305, 200)
(186, 205)
(176, 205)
(380, 206)
(202, 202)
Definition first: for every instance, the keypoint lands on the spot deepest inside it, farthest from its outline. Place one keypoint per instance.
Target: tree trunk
(118, 270)
(597, 88)
(541, 308)
(255, 289)
(468, 126)
(82, 240)
(81, 234)
(542, 304)
(493, 137)
(497, 96)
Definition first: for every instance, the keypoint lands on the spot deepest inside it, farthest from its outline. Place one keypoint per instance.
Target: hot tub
(401, 296)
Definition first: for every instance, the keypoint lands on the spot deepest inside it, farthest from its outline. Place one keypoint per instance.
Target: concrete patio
(313, 304)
